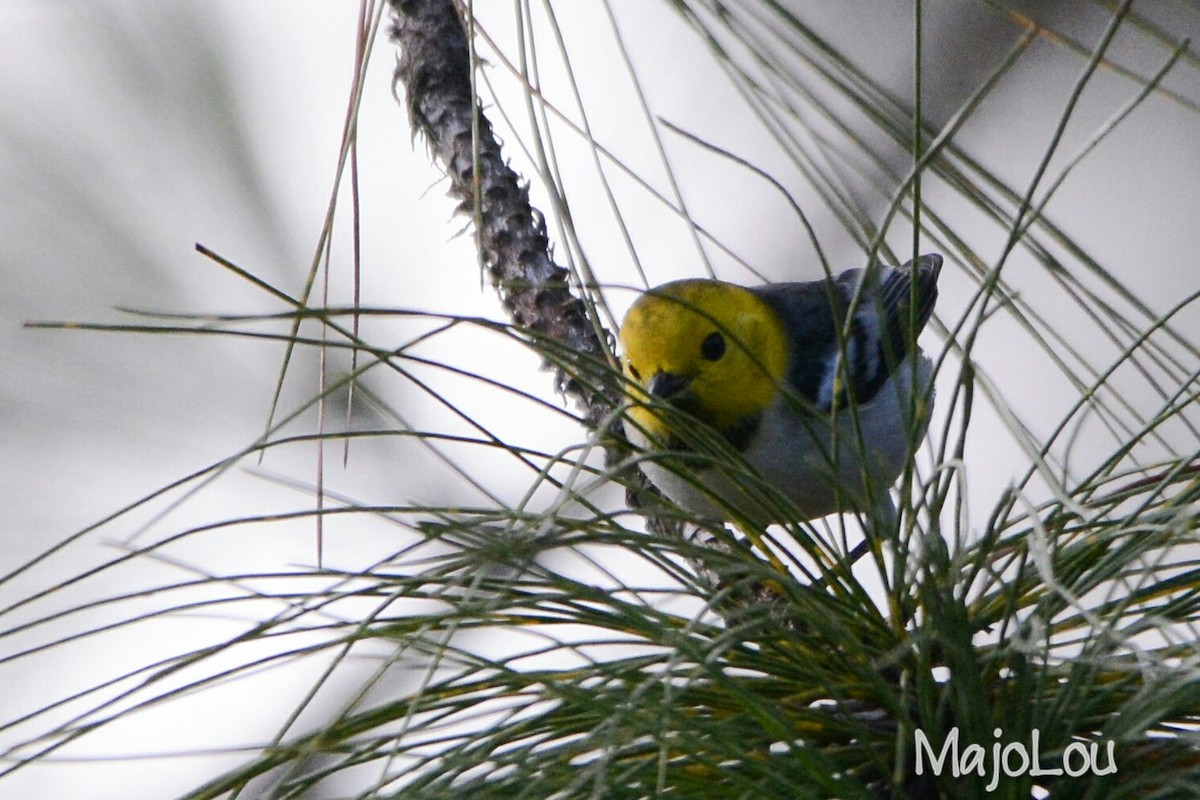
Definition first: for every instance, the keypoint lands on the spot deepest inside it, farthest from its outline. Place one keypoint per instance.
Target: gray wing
(893, 307)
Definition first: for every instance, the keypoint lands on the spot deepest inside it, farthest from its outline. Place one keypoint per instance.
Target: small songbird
(819, 386)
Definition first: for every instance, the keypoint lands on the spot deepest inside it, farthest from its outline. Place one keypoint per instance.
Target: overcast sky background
(130, 131)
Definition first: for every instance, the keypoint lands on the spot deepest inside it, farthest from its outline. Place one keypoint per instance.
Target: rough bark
(435, 70)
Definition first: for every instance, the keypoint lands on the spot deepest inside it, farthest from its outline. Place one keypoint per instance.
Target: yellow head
(714, 349)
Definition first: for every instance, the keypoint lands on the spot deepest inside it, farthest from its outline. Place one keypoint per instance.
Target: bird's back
(889, 312)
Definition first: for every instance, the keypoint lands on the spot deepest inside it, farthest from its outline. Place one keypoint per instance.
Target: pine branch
(435, 69)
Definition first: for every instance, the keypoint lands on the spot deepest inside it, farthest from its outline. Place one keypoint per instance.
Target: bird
(783, 402)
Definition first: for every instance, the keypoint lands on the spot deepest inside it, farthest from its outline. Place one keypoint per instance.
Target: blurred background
(129, 132)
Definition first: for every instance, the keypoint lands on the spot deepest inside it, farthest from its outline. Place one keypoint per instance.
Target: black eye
(633, 371)
(713, 347)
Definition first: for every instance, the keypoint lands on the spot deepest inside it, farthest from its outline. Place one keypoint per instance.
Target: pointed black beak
(666, 385)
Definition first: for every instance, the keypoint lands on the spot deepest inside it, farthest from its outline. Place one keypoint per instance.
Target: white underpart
(799, 475)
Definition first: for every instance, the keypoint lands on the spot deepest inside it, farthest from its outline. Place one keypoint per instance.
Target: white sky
(130, 131)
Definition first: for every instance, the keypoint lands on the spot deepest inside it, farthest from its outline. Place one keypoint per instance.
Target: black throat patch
(738, 435)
